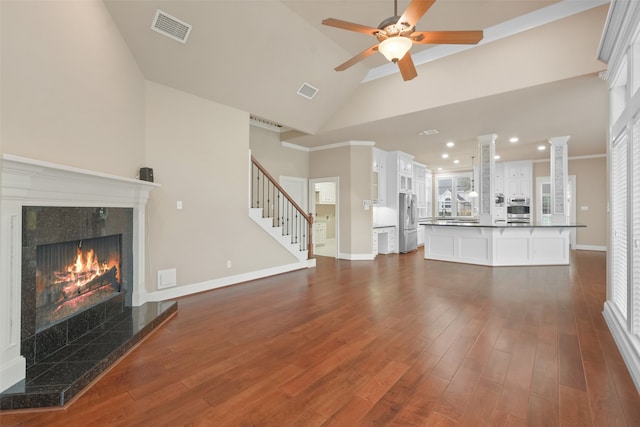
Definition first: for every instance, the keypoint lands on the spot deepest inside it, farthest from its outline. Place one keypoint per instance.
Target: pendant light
(473, 192)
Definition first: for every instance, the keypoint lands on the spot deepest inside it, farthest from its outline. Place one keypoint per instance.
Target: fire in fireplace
(73, 276)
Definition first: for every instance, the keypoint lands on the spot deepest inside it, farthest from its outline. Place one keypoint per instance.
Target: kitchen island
(497, 245)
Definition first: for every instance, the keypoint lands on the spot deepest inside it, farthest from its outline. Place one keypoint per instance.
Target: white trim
(286, 144)
(343, 144)
(628, 344)
(598, 248)
(357, 257)
(328, 146)
(208, 285)
(543, 16)
(587, 156)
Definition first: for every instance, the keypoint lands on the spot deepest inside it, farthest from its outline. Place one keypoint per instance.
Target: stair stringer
(276, 232)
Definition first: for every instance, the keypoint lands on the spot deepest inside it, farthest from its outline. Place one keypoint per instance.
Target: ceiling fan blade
(346, 25)
(447, 37)
(414, 12)
(359, 57)
(407, 69)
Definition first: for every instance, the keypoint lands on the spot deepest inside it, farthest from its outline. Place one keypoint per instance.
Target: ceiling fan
(397, 34)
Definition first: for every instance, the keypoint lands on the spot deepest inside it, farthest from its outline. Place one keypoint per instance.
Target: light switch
(179, 204)
(584, 208)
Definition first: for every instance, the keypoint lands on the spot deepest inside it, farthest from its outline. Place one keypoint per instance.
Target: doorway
(323, 202)
(543, 201)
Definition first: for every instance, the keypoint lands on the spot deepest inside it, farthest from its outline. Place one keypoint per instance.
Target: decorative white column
(486, 174)
(559, 180)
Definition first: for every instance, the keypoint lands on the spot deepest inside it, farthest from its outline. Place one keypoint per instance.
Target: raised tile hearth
(57, 379)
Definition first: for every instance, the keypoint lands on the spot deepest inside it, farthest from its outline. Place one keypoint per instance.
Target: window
(453, 196)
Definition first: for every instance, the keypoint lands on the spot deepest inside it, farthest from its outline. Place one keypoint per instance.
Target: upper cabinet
(420, 183)
(499, 182)
(518, 178)
(404, 166)
(379, 178)
(326, 193)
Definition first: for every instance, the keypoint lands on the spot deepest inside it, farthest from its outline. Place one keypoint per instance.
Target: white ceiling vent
(170, 26)
(307, 91)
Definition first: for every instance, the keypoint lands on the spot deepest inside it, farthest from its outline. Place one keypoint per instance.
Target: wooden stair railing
(267, 194)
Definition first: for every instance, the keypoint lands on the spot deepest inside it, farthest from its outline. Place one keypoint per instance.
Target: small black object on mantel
(146, 174)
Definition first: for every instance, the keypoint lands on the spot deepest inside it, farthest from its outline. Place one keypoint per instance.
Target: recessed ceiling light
(456, 161)
(439, 169)
(497, 157)
(450, 144)
(445, 156)
(541, 147)
(513, 139)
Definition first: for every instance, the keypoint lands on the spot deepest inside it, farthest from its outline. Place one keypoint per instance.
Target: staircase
(279, 215)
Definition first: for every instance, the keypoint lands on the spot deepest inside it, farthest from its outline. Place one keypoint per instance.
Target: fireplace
(50, 212)
(76, 270)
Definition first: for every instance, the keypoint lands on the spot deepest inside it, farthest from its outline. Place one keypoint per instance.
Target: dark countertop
(449, 223)
(383, 226)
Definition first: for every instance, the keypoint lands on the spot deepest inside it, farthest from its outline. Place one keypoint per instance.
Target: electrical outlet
(229, 264)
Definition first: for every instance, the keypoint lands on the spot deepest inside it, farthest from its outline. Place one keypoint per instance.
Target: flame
(85, 268)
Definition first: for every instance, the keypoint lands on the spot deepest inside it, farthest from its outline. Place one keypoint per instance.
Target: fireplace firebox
(73, 276)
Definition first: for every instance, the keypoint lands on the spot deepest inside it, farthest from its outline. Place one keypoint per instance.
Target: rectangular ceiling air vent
(307, 91)
(170, 26)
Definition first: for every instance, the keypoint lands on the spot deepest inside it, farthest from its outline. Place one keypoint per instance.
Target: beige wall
(78, 98)
(352, 164)
(76, 93)
(277, 159)
(591, 191)
(200, 154)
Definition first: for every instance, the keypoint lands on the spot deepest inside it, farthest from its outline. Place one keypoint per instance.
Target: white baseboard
(591, 248)
(357, 257)
(180, 291)
(629, 345)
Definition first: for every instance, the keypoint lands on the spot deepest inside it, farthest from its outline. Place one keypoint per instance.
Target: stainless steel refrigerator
(408, 228)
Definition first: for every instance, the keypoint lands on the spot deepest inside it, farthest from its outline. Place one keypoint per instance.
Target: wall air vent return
(170, 26)
(307, 91)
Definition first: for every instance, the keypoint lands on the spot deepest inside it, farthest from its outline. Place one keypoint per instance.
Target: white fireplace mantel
(28, 182)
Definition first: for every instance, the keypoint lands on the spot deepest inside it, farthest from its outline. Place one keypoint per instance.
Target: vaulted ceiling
(533, 76)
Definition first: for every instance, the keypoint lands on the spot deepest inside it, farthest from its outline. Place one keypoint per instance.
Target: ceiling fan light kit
(397, 34)
(395, 48)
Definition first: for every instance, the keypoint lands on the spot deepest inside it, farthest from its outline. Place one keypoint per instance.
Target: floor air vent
(307, 91)
(170, 26)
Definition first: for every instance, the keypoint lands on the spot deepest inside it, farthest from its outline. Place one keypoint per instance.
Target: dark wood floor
(397, 341)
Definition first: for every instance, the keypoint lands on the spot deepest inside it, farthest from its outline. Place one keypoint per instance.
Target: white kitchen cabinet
(327, 193)
(319, 233)
(420, 235)
(384, 240)
(401, 165)
(499, 181)
(379, 178)
(420, 181)
(518, 179)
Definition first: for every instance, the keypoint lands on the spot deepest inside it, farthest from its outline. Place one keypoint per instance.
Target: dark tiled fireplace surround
(65, 357)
